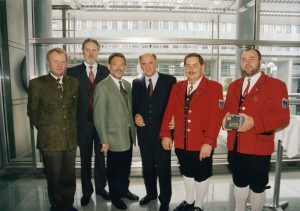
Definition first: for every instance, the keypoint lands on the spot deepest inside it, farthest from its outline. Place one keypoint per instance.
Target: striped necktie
(124, 93)
(91, 74)
(247, 88)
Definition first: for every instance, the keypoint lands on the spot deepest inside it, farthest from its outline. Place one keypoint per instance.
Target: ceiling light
(242, 9)
(251, 3)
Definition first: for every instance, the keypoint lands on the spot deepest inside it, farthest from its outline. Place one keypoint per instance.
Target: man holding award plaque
(256, 106)
(195, 106)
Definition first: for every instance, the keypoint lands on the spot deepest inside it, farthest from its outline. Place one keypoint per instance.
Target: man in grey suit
(52, 102)
(114, 123)
(89, 73)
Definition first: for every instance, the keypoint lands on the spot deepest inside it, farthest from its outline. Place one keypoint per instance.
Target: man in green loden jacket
(52, 101)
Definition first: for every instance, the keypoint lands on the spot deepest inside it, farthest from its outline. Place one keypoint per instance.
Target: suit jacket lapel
(181, 92)
(98, 74)
(83, 72)
(201, 89)
(114, 88)
(237, 90)
(83, 77)
(257, 86)
(158, 86)
(143, 85)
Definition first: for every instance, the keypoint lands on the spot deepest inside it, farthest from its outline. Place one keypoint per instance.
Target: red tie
(91, 74)
(190, 89)
(247, 89)
(150, 87)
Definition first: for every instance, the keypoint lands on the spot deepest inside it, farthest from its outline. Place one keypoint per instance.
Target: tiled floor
(23, 190)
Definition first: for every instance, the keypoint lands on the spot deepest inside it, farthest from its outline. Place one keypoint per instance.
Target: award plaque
(234, 122)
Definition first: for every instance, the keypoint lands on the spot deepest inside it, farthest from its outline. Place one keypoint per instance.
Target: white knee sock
(189, 184)
(201, 191)
(240, 195)
(257, 200)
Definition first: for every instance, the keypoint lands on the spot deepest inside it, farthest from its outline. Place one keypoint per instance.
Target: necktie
(190, 89)
(150, 87)
(58, 81)
(247, 89)
(91, 74)
(124, 93)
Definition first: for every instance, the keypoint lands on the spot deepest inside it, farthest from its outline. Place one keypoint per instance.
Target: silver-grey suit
(111, 117)
(114, 123)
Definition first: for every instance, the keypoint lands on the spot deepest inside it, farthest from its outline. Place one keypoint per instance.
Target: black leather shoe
(104, 194)
(85, 200)
(146, 200)
(118, 203)
(131, 196)
(164, 207)
(183, 206)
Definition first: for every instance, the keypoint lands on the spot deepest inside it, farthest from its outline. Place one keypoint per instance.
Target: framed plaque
(234, 122)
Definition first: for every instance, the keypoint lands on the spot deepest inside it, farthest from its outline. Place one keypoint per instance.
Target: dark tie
(91, 74)
(124, 93)
(247, 89)
(190, 89)
(150, 87)
(58, 81)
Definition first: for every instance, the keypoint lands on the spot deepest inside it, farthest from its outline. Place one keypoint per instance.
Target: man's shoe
(164, 207)
(197, 209)
(118, 203)
(146, 200)
(131, 196)
(184, 206)
(104, 194)
(85, 200)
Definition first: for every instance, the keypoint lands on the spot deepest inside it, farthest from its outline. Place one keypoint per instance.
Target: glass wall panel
(280, 21)
(213, 21)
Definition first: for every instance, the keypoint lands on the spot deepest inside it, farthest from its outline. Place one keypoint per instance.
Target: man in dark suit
(114, 122)
(89, 73)
(52, 101)
(150, 94)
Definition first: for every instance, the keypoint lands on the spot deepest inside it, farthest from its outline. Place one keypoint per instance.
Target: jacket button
(189, 130)
(189, 121)
(190, 111)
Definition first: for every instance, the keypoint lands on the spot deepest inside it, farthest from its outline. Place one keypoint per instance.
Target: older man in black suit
(89, 73)
(150, 94)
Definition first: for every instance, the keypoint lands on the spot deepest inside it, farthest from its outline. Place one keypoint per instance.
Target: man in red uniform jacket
(196, 107)
(264, 104)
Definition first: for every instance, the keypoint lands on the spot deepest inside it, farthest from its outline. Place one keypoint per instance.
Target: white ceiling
(284, 11)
